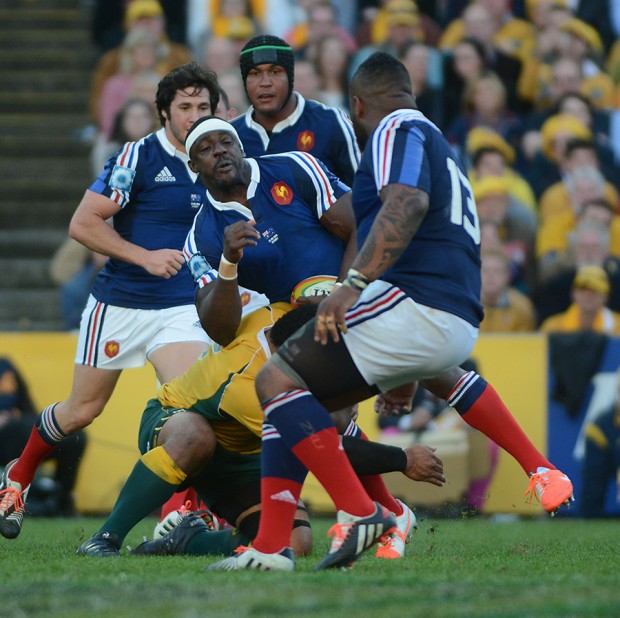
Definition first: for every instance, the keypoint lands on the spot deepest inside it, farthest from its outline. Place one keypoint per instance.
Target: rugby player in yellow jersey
(204, 429)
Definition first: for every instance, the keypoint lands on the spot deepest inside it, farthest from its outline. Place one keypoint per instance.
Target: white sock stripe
(269, 432)
(462, 386)
(283, 399)
(352, 429)
(48, 423)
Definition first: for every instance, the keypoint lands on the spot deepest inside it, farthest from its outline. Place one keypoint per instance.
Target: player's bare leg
(92, 389)
(174, 359)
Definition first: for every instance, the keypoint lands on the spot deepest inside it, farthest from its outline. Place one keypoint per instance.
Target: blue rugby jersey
(159, 197)
(441, 266)
(325, 132)
(288, 194)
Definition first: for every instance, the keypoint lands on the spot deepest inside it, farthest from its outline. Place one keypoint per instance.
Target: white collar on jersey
(240, 208)
(173, 152)
(168, 147)
(283, 124)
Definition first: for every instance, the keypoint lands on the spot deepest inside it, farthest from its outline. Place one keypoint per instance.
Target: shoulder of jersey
(325, 111)
(238, 121)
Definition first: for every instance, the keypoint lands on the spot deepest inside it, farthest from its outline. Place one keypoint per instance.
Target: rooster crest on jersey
(305, 141)
(282, 193)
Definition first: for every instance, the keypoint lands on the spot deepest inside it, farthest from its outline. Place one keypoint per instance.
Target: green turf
(454, 567)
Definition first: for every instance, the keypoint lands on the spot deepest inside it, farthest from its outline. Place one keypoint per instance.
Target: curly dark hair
(291, 322)
(189, 75)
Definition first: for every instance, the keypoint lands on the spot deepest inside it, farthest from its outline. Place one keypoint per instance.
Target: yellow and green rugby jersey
(220, 385)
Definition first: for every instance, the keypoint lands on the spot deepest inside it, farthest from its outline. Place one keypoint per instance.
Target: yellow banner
(516, 365)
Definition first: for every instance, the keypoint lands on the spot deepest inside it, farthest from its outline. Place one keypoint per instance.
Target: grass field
(453, 567)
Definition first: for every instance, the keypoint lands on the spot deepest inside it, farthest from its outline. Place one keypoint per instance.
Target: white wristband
(227, 270)
(223, 259)
(224, 278)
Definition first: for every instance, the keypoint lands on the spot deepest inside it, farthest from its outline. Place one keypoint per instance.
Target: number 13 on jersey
(468, 220)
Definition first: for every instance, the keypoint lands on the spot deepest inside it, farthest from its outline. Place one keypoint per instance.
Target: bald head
(380, 85)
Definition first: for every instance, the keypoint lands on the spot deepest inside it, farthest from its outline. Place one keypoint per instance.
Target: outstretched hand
(397, 401)
(424, 465)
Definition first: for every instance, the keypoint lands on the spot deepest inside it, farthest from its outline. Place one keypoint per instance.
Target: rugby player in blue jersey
(408, 311)
(281, 120)
(291, 202)
(269, 224)
(300, 212)
(142, 302)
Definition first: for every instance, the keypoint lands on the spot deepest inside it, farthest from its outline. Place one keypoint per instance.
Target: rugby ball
(320, 285)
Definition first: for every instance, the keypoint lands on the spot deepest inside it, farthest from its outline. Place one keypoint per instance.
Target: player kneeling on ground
(204, 429)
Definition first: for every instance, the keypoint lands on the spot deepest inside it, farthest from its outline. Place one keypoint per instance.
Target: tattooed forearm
(398, 220)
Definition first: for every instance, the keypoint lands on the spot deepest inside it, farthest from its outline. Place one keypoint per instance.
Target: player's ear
(192, 166)
(358, 109)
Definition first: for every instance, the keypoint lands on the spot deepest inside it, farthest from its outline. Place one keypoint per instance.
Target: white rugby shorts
(393, 340)
(120, 338)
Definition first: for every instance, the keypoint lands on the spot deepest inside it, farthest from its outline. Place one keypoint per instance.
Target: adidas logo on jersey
(165, 176)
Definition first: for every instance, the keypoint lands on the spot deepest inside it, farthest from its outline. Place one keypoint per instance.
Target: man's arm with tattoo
(403, 209)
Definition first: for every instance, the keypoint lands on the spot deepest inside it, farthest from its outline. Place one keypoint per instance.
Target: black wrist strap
(356, 280)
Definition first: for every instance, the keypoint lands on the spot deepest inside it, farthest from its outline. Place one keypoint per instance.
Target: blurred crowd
(526, 91)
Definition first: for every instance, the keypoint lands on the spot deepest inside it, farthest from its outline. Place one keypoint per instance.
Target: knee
(200, 440)
(189, 440)
(342, 418)
(262, 380)
(270, 382)
(441, 386)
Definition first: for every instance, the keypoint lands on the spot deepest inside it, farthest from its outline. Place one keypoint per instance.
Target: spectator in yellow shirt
(505, 308)
(588, 310)
(512, 35)
(491, 155)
